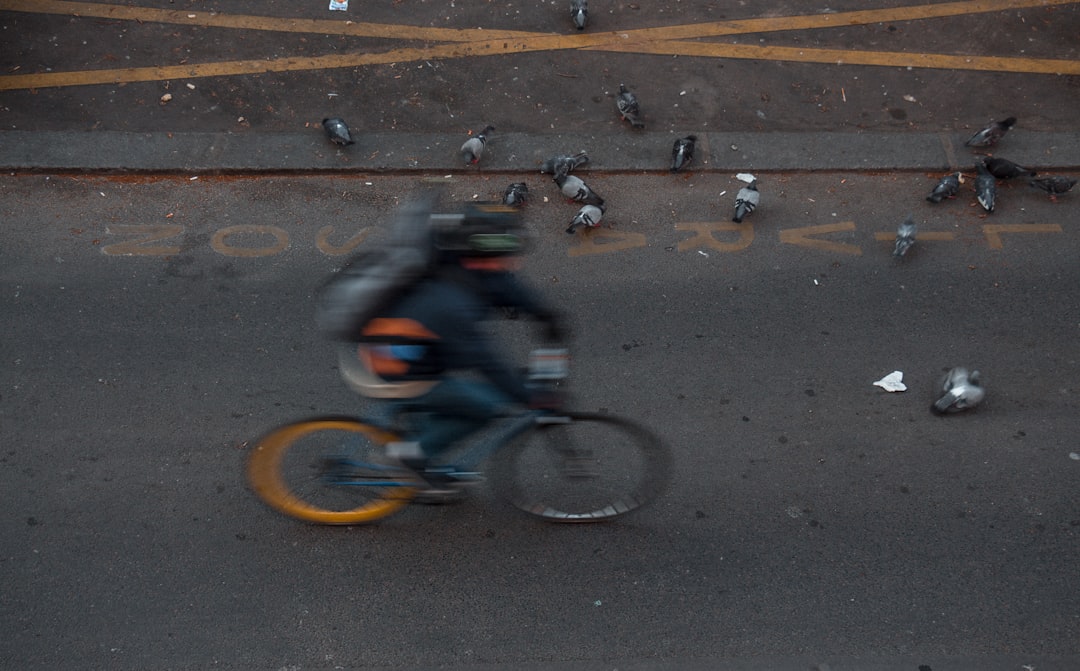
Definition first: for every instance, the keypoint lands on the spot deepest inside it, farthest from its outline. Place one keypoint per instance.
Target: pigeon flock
(960, 389)
(993, 168)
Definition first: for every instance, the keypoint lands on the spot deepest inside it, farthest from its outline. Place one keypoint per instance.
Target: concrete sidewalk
(625, 152)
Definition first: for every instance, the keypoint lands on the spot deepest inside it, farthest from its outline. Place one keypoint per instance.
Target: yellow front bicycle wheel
(329, 470)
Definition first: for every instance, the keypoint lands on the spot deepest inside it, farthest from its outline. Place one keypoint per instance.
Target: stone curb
(637, 152)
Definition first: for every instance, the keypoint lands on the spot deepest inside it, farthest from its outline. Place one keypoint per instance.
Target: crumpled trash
(892, 382)
(339, 5)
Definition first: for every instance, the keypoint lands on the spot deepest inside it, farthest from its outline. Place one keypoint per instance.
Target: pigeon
(961, 390)
(338, 131)
(682, 152)
(746, 200)
(946, 188)
(579, 13)
(627, 103)
(1003, 168)
(985, 187)
(905, 237)
(990, 135)
(516, 194)
(576, 189)
(473, 148)
(589, 216)
(1054, 185)
(562, 165)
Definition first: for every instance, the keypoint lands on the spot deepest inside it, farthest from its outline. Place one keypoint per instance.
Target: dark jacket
(433, 329)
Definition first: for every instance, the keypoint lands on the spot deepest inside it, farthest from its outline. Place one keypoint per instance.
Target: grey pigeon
(562, 165)
(627, 104)
(473, 148)
(985, 187)
(516, 194)
(1054, 185)
(960, 390)
(579, 13)
(905, 237)
(575, 188)
(989, 136)
(682, 152)
(746, 201)
(946, 188)
(589, 216)
(338, 131)
(1003, 168)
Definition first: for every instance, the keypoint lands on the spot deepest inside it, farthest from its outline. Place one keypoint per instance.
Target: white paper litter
(892, 382)
(746, 177)
(339, 5)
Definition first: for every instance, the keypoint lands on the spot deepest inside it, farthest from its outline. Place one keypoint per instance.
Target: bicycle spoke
(589, 469)
(328, 470)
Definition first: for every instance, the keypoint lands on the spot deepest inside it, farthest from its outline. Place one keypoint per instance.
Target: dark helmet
(484, 229)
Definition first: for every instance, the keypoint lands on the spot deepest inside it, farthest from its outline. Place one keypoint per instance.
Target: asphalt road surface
(154, 327)
(155, 324)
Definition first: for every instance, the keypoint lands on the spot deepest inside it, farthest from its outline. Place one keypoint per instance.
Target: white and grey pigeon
(905, 237)
(579, 13)
(960, 390)
(627, 104)
(473, 148)
(588, 216)
(516, 194)
(946, 188)
(989, 136)
(746, 201)
(985, 187)
(564, 164)
(682, 152)
(575, 188)
(338, 131)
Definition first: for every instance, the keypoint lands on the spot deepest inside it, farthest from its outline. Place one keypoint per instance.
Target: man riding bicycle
(417, 350)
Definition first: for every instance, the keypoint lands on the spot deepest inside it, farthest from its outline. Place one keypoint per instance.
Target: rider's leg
(457, 407)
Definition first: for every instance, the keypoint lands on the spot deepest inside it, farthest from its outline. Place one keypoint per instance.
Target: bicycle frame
(468, 458)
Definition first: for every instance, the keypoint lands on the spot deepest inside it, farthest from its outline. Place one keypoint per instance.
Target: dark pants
(452, 410)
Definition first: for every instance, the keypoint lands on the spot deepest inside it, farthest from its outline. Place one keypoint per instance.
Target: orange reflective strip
(399, 327)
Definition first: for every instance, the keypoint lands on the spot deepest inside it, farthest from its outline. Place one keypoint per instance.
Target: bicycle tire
(582, 467)
(288, 469)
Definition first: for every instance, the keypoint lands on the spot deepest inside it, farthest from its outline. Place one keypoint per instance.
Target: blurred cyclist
(417, 348)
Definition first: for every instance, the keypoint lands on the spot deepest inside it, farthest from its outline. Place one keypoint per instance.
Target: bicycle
(567, 467)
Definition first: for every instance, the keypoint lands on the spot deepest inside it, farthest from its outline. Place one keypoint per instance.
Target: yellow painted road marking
(615, 241)
(219, 241)
(993, 231)
(705, 235)
(398, 31)
(855, 57)
(801, 237)
(322, 241)
(480, 42)
(206, 19)
(145, 244)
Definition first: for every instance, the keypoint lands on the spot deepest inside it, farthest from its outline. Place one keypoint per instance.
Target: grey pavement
(629, 152)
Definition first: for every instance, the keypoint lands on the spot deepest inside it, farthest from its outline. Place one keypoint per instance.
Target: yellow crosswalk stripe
(682, 40)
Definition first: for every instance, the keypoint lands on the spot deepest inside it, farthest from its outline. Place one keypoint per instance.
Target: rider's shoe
(439, 484)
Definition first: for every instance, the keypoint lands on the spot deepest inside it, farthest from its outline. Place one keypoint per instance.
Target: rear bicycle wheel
(329, 470)
(582, 467)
